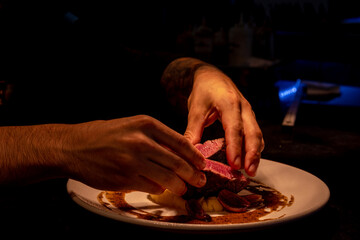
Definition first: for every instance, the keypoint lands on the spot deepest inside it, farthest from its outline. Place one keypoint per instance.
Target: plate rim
(202, 227)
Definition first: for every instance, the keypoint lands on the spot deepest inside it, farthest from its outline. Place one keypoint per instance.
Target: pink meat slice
(222, 181)
(223, 170)
(211, 147)
(219, 175)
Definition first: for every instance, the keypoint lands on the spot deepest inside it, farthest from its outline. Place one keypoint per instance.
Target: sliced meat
(218, 176)
(237, 184)
(254, 199)
(221, 169)
(233, 202)
(211, 147)
(222, 181)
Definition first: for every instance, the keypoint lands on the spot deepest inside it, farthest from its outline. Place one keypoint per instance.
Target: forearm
(31, 153)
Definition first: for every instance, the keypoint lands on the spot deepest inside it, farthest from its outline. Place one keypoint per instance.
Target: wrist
(32, 153)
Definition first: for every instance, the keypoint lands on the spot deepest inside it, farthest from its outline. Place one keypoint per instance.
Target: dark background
(74, 61)
(83, 54)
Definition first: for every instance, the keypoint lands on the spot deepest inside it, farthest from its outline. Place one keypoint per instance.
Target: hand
(214, 96)
(136, 153)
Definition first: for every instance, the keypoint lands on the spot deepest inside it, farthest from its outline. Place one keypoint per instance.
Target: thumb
(194, 129)
(197, 123)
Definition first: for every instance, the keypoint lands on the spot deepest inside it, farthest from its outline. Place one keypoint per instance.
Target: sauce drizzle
(273, 201)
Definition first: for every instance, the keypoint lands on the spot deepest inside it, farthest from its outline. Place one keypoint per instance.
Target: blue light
(289, 92)
(354, 20)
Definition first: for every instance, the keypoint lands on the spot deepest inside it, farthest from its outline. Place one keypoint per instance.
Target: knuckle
(189, 135)
(174, 183)
(255, 154)
(195, 178)
(257, 140)
(172, 179)
(238, 128)
(184, 170)
(139, 143)
(167, 177)
(259, 135)
(245, 104)
(182, 142)
(188, 173)
(145, 121)
(232, 99)
(177, 166)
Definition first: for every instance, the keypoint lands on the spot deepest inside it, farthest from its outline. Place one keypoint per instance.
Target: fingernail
(202, 180)
(237, 163)
(252, 169)
(202, 164)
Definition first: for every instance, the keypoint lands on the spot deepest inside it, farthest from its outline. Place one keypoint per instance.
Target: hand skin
(214, 96)
(139, 153)
(128, 153)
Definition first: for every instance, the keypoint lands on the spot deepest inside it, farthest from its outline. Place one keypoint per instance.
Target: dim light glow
(355, 20)
(289, 92)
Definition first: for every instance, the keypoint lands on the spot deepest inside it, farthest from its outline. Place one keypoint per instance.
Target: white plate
(309, 192)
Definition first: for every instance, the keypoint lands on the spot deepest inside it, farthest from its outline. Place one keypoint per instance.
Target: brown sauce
(273, 201)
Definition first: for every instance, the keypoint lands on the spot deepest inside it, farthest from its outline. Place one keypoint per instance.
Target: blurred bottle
(185, 41)
(203, 41)
(220, 51)
(240, 44)
(263, 43)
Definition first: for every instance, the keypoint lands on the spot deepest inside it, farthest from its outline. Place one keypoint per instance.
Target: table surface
(325, 142)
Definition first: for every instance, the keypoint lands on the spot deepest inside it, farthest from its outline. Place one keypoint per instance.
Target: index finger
(178, 143)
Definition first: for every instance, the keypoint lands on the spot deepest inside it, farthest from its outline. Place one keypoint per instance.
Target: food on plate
(220, 192)
(211, 204)
(236, 203)
(228, 197)
(168, 199)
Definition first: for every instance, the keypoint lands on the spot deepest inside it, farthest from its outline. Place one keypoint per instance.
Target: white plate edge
(204, 227)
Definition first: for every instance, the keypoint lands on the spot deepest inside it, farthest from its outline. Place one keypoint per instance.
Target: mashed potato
(169, 199)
